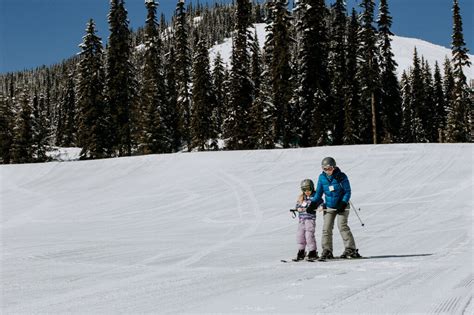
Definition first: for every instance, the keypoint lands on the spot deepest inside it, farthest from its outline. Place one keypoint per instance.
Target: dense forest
(325, 76)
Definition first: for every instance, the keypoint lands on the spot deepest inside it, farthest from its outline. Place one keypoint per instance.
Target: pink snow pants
(305, 234)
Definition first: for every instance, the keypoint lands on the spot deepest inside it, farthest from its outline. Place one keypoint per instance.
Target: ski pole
(355, 210)
(293, 212)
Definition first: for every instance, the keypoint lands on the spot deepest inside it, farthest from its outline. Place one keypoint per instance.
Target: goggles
(327, 168)
(306, 188)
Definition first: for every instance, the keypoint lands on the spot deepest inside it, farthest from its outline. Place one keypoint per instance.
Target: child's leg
(300, 235)
(310, 228)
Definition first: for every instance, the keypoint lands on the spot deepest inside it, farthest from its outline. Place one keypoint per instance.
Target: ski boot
(312, 255)
(327, 254)
(300, 255)
(350, 253)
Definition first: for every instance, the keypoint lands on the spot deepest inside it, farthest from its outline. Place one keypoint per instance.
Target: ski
(295, 261)
(320, 259)
(341, 259)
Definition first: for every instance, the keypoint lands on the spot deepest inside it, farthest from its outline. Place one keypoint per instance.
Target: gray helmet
(328, 161)
(307, 183)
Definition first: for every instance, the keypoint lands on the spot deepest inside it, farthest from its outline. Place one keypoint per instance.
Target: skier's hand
(301, 209)
(341, 207)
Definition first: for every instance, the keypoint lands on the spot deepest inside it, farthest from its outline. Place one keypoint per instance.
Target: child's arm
(317, 198)
(299, 207)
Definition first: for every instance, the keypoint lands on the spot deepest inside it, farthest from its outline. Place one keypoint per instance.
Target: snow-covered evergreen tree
(22, 146)
(40, 130)
(183, 71)
(263, 116)
(6, 129)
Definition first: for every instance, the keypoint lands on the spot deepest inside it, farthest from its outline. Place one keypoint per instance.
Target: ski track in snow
(204, 233)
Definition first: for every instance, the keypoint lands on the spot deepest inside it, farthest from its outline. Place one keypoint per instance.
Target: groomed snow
(203, 233)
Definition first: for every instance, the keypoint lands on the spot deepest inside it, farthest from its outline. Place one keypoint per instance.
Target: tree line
(324, 76)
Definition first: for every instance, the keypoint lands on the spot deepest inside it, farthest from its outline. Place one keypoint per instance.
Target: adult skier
(336, 188)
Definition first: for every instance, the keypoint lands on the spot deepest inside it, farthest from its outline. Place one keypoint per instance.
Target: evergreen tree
(337, 69)
(258, 13)
(120, 84)
(313, 86)
(226, 109)
(278, 42)
(352, 105)
(6, 129)
(390, 99)
(368, 76)
(439, 118)
(153, 98)
(22, 147)
(40, 130)
(263, 116)
(90, 101)
(407, 112)
(429, 108)
(218, 78)
(294, 104)
(172, 115)
(241, 87)
(66, 132)
(256, 111)
(203, 126)
(459, 119)
(256, 63)
(448, 86)
(183, 68)
(417, 101)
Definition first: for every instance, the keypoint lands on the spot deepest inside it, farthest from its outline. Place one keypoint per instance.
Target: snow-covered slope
(204, 233)
(402, 47)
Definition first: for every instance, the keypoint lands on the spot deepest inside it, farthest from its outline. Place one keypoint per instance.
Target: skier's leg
(328, 225)
(346, 234)
(310, 228)
(300, 235)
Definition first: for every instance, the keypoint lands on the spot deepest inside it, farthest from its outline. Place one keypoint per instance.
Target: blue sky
(37, 32)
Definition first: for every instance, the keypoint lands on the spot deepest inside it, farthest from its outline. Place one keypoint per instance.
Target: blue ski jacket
(336, 188)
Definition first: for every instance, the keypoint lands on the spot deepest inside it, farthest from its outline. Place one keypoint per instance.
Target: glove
(341, 207)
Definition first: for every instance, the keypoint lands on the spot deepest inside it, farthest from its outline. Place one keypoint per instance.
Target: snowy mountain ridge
(402, 47)
(204, 232)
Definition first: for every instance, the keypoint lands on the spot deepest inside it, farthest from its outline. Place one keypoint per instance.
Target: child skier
(306, 222)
